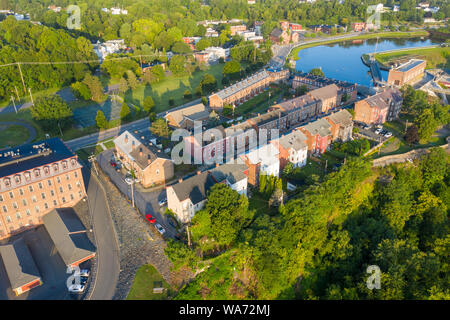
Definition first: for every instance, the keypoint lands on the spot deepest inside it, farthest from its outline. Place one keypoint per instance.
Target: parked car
(162, 202)
(150, 218)
(77, 288)
(84, 273)
(378, 131)
(160, 228)
(113, 163)
(388, 134)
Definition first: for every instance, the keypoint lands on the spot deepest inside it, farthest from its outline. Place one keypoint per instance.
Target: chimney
(126, 138)
(132, 145)
(149, 160)
(199, 172)
(180, 180)
(140, 152)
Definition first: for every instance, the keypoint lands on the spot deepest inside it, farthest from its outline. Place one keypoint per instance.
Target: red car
(150, 218)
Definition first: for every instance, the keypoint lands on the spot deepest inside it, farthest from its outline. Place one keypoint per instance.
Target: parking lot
(370, 133)
(51, 268)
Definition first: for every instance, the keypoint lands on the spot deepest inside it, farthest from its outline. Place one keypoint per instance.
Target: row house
(34, 179)
(281, 36)
(185, 117)
(312, 82)
(362, 26)
(379, 108)
(246, 89)
(188, 196)
(329, 95)
(138, 153)
(341, 125)
(263, 160)
(299, 109)
(292, 149)
(276, 119)
(318, 136)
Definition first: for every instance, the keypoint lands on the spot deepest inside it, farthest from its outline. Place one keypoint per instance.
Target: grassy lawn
(25, 116)
(435, 57)
(259, 103)
(294, 52)
(109, 144)
(147, 278)
(172, 88)
(259, 203)
(12, 135)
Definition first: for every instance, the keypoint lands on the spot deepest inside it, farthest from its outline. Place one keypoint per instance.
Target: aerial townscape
(224, 150)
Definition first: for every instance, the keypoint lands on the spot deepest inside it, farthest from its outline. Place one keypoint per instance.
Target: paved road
(108, 265)
(146, 202)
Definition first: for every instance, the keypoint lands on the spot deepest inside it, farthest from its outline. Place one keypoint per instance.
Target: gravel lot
(139, 243)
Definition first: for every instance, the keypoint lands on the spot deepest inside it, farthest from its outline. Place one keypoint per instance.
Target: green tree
(125, 111)
(95, 87)
(81, 90)
(177, 65)
(160, 128)
(149, 104)
(101, 121)
(180, 255)
(132, 81)
(232, 68)
(203, 44)
(426, 124)
(317, 72)
(51, 111)
(123, 85)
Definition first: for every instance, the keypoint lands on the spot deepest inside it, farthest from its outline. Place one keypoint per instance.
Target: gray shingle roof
(231, 172)
(231, 90)
(296, 103)
(178, 115)
(195, 188)
(60, 223)
(295, 140)
(342, 117)
(320, 126)
(19, 264)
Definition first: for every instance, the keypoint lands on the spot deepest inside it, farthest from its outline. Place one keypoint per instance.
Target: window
(40, 185)
(80, 194)
(49, 183)
(69, 186)
(15, 205)
(21, 192)
(36, 209)
(74, 163)
(8, 219)
(61, 189)
(46, 205)
(24, 202)
(72, 197)
(7, 182)
(5, 209)
(37, 173)
(27, 176)
(33, 198)
(67, 177)
(55, 167)
(52, 193)
(1, 198)
(58, 180)
(18, 216)
(43, 196)
(11, 195)
(28, 212)
(47, 170)
(63, 200)
(64, 165)
(31, 188)
(75, 174)
(55, 203)
(17, 179)
(78, 184)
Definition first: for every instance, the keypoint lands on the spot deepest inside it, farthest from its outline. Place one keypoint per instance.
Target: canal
(342, 60)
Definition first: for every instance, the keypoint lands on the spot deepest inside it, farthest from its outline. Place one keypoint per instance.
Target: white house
(266, 157)
(293, 148)
(232, 175)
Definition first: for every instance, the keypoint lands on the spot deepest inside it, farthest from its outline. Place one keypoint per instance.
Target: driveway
(146, 202)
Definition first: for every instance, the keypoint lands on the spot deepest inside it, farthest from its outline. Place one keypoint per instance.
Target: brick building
(318, 136)
(381, 107)
(235, 29)
(329, 95)
(407, 73)
(299, 109)
(34, 179)
(347, 90)
(138, 153)
(246, 89)
(263, 160)
(341, 125)
(185, 117)
(292, 149)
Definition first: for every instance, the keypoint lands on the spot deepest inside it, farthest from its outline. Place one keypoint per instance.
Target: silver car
(76, 288)
(160, 228)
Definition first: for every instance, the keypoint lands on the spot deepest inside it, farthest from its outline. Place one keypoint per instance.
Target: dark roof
(276, 32)
(61, 225)
(32, 155)
(194, 188)
(19, 264)
(231, 172)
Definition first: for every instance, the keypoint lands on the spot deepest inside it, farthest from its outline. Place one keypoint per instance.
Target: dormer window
(46, 170)
(73, 162)
(17, 179)
(7, 182)
(64, 164)
(27, 176)
(55, 167)
(37, 173)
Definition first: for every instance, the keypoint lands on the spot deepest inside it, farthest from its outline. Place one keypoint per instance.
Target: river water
(342, 60)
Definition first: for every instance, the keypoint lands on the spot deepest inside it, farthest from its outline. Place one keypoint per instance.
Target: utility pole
(31, 96)
(17, 94)
(91, 159)
(326, 165)
(406, 126)
(14, 103)
(188, 235)
(21, 76)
